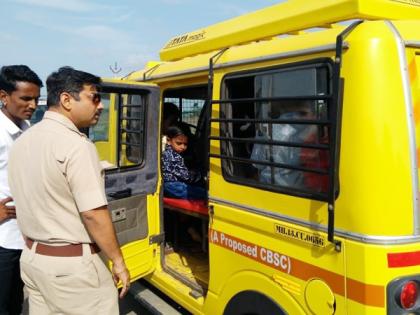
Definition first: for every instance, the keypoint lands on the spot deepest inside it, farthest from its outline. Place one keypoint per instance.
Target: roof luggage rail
(288, 17)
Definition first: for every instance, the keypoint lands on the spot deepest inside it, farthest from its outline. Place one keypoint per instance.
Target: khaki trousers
(68, 285)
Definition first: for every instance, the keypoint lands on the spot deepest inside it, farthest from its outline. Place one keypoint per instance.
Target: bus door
(126, 138)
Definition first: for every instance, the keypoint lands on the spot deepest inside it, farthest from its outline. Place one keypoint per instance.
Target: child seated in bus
(179, 181)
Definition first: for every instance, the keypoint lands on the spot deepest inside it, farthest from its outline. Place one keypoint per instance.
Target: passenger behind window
(171, 117)
(289, 133)
(316, 159)
(179, 181)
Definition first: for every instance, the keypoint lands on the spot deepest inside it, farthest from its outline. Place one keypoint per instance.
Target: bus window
(190, 102)
(119, 133)
(131, 129)
(279, 141)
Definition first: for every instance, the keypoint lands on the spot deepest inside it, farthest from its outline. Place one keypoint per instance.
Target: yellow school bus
(305, 118)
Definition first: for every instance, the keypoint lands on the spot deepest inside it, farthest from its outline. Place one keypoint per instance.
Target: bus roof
(283, 18)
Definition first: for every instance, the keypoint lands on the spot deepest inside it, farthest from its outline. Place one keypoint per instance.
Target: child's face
(178, 143)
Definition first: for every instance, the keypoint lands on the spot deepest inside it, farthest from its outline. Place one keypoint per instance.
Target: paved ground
(128, 306)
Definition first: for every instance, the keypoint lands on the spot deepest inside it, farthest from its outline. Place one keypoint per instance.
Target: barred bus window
(131, 129)
(275, 129)
(190, 109)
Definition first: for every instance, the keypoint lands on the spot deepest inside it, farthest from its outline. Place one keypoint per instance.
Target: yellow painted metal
(140, 256)
(319, 297)
(283, 18)
(376, 154)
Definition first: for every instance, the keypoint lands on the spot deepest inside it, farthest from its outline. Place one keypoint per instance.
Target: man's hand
(7, 212)
(121, 273)
(99, 225)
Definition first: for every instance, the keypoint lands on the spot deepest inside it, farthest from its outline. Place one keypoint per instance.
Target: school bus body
(272, 247)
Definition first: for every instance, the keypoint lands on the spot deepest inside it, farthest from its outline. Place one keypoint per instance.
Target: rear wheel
(252, 303)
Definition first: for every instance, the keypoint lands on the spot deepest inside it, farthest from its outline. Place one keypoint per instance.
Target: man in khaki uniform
(58, 187)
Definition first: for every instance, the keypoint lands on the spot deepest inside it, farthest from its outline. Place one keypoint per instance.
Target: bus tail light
(403, 296)
(409, 294)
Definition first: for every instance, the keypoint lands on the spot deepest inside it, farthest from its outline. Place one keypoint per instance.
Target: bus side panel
(255, 251)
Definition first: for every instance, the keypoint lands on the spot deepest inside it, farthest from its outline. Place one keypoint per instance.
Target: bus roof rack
(285, 18)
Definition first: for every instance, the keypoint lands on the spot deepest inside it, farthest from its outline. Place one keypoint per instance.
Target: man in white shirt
(19, 93)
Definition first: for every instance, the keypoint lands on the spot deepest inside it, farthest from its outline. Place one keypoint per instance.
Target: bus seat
(198, 207)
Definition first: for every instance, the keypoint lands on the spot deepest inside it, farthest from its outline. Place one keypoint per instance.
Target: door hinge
(157, 239)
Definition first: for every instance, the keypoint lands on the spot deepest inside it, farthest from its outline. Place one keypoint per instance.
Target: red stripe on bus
(396, 260)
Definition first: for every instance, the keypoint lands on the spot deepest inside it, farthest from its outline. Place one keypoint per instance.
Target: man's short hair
(11, 75)
(67, 79)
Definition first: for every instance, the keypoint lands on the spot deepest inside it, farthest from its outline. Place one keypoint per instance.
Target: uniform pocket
(85, 276)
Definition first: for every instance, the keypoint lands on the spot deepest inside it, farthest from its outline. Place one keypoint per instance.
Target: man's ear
(3, 97)
(65, 100)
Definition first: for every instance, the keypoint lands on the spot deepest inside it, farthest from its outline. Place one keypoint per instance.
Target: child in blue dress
(179, 181)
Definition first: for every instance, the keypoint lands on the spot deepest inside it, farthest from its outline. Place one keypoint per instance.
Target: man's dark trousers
(11, 292)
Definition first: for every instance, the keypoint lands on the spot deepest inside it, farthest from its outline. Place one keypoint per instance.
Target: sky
(95, 35)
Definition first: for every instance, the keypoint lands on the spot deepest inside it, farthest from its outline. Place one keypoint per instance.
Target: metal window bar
(132, 105)
(335, 115)
(273, 164)
(273, 121)
(317, 146)
(130, 118)
(278, 98)
(131, 144)
(132, 131)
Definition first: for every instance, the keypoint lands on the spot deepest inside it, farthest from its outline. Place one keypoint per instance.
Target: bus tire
(252, 303)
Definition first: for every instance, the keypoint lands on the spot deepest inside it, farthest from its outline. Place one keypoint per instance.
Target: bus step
(152, 302)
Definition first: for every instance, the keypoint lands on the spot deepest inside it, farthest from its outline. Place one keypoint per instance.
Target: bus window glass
(100, 132)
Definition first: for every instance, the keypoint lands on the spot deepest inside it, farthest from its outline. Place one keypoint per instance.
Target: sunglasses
(96, 97)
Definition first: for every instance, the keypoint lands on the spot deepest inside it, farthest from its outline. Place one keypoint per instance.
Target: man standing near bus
(19, 93)
(58, 185)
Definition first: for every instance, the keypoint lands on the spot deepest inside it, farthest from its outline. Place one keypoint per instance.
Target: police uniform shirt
(54, 174)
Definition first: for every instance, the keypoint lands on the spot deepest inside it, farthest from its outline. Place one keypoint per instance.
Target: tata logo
(184, 39)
